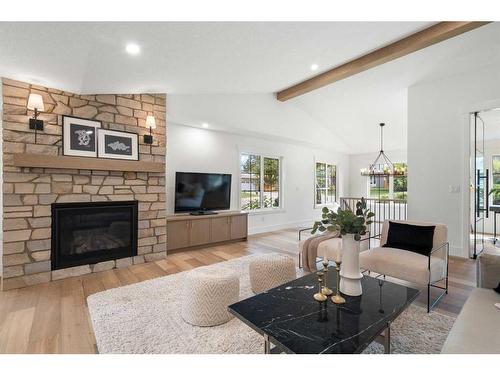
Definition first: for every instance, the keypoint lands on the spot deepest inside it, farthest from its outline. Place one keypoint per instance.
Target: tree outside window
(495, 175)
(400, 181)
(260, 179)
(325, 184)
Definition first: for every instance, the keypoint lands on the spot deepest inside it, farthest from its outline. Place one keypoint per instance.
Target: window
(326, 184)
(379, 187)
(400, 181)
(388, 187)
(496, 179)
(260, 182)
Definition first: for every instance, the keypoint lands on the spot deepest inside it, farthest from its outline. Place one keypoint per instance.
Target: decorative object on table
(337, 298)
(320, 297)
(114, 144)
(80, 136)
(352, 226)
(35, 103)
(150, 124)
(268, 271)
(336, 255)
(325, 290)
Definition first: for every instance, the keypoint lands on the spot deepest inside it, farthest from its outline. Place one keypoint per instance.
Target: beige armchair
(409, 266)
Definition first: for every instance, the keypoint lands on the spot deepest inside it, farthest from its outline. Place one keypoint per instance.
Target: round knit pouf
(271, 270)
(207, 294)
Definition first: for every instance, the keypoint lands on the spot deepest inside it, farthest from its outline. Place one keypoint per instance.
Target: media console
(187, 231)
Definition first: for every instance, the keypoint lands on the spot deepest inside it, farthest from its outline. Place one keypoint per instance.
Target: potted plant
(351, 226)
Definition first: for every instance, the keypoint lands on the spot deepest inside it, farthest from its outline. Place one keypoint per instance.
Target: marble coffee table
(289, 318)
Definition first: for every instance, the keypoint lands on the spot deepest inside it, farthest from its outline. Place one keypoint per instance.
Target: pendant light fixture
(382, 166)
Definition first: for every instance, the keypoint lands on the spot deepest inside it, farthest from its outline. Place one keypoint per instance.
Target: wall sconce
(35, 103)
(151, 124)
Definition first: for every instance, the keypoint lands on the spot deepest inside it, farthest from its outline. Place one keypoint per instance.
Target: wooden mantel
(76, 162)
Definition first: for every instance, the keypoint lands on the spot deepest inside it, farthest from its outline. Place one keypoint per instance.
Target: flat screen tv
(202, 192)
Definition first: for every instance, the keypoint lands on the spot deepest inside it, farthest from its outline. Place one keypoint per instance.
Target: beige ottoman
(207, 294)
(271, 270)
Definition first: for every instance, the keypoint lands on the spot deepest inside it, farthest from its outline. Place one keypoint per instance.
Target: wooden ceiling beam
(417, 41)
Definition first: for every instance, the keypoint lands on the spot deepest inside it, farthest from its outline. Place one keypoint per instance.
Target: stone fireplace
(94, 232)
(29, 192)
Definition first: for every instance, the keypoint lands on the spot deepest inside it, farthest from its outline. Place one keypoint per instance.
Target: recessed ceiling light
(133, 49)
(204, 125)
(314, 67)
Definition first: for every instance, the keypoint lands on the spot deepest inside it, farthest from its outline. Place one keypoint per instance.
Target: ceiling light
(133, 49)
(314, 67)
(204, 125)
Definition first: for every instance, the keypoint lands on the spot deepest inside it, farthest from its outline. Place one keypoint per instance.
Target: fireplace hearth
(88, 233)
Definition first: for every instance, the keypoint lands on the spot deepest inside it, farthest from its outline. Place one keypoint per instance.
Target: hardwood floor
(53, 317)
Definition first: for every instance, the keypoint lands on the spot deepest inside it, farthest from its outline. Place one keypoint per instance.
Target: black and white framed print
(80, 136)
(114, 144)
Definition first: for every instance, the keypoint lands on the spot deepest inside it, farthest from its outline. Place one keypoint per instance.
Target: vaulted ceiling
(225, 74)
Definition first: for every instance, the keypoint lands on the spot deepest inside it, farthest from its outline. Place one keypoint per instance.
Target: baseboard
(459, 251)
(271, 228)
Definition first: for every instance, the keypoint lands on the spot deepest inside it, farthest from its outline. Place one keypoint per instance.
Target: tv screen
(202, 191)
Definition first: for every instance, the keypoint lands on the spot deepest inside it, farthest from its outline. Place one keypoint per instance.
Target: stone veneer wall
(29, 192)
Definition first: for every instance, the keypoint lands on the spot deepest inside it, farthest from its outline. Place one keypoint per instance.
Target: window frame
(262, 210)
(321, 205)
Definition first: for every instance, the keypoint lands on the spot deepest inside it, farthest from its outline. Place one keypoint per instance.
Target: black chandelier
(383, 166)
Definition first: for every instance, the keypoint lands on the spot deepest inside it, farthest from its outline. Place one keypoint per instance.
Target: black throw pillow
(415, 238)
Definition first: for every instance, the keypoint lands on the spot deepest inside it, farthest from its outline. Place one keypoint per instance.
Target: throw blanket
(310, 250)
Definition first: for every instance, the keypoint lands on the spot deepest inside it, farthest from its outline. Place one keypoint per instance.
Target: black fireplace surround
(88, 233)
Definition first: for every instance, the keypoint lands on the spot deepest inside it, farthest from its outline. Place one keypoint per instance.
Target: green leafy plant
(495, 191)
(346, 221)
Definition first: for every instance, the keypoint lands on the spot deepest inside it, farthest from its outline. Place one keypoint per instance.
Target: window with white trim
(325, 192)
(260, 182)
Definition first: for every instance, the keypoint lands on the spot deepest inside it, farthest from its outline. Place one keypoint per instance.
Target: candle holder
(325, 290)
(337, 298)
(320, 297)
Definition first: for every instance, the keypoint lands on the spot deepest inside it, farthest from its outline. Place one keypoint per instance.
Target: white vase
(350, 275)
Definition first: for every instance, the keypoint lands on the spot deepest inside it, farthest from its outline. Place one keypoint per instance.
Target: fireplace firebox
(87, 233)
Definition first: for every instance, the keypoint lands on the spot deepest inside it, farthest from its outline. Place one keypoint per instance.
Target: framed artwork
(114, 144)
(80, 136)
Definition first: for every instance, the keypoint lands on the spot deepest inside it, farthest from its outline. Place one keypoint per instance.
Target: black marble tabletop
(296, 323)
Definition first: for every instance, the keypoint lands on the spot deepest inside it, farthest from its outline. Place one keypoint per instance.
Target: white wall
(1, 182)
(438, 148)
(254, 115)
(199, 150)
(358, 185)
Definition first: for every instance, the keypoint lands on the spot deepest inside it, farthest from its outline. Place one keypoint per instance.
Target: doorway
(484, 180)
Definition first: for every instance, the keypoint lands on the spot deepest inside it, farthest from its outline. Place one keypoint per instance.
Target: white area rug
(145, 318)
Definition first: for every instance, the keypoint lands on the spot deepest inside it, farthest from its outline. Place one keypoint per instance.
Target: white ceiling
(186, 57)
(202, 66)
